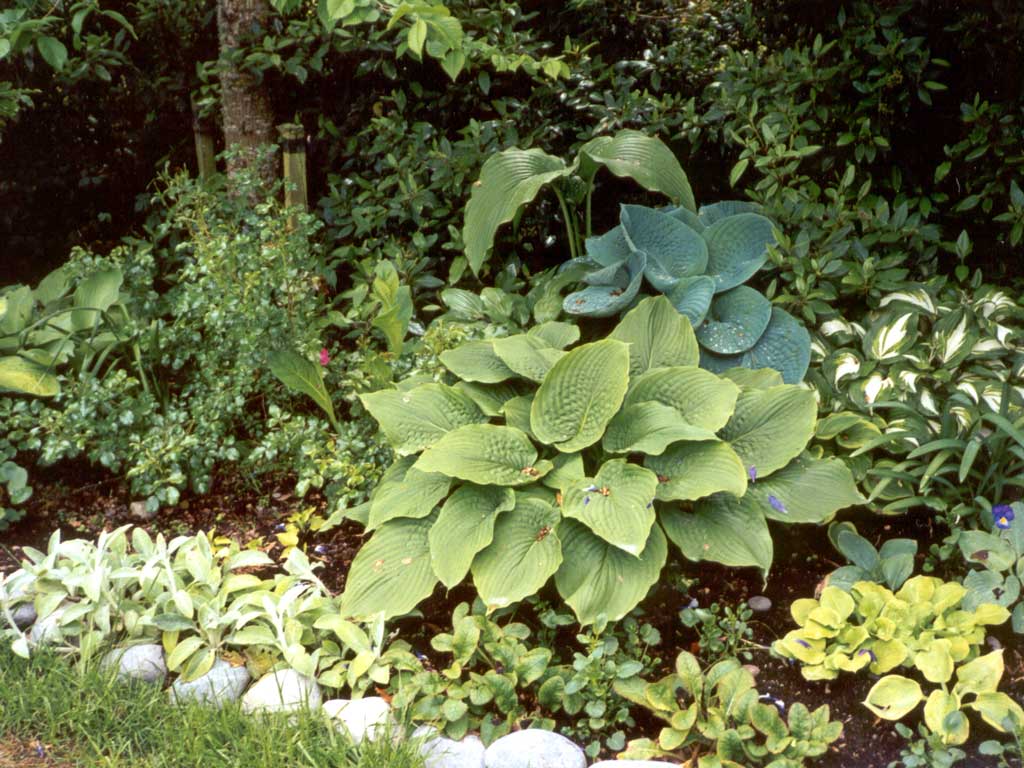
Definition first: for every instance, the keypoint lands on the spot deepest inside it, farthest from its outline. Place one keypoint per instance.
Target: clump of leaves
(892, 564)
(715, 717)
(582, 465)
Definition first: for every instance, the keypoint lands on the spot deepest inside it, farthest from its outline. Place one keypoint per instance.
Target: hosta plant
(891, 564)
(715, 720)
(700, 262)
(582, 465)
(997, 557)
(923, 628)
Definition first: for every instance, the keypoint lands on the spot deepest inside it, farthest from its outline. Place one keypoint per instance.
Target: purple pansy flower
(1003, 515)
(777, 505)
(752, 473)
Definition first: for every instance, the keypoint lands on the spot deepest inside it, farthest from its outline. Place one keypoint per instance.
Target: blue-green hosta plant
(997, 557)
(924, 628)
(700, 262)
(582, 464)
(716, 717)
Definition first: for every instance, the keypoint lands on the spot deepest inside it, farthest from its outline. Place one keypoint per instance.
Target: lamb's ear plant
(716, 716)
(582, 464)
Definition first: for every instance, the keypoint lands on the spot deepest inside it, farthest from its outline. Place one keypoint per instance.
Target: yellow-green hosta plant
(922, 628)
(581, 464)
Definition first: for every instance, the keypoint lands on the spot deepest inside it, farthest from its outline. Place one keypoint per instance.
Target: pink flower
(324, 357)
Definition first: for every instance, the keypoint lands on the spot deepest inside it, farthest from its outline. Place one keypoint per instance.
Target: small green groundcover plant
(716, 717)
(582, 465)
(922, 627)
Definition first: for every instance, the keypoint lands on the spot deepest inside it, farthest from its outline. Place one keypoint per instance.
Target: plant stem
(570, 226)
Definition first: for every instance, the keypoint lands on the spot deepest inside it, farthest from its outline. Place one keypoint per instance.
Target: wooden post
(293, 151)
(206, 155)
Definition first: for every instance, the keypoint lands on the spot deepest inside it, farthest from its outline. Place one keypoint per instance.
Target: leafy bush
(557, 487)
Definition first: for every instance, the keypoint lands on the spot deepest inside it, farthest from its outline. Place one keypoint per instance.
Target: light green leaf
(97, 293)
(737, 248)
(580, 394)
(650, 427)
(617, 504)
(417, 37)
(982, 675)
(658, 337)
(735, 322)
(392, 572)
(405, 492)
(182, 651)
(489, 398)
(416, 419)
(597, 578)
(52, 287)
(529, 356)
(785, 346)
(936, 661)
(894, 697)
(722, 530)
(936, 709)
(517, 413)
(524, 554)
(996, 708)
(770, 427)
(645, 159)
(53, 51)
(303, 376)
(507, 181)
(674, 251)
(464, 527)
(568, 467)
(701, 398)
(811, 490)
(20, 375)
(476, 361)
(485, 454)
(693, 470)
(556, 334)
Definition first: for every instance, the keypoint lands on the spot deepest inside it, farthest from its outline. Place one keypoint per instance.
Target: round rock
(283, 691)
(222, 684)
(24, 615)
(442, 752)
(633, 764)
(760, 604)
(137, 662)
(534, 748)
(359, 718)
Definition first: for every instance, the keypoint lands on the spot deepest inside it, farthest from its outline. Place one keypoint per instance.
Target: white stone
(139, 511)
(534, 748)
(633, 764)
(223, 683)
(442, 752)
(284, 691)
(137, 662)
(360, 718)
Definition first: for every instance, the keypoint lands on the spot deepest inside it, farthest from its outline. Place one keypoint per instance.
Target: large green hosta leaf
(489, 398)
(807, 490)
(689, 471)
(508, 180)
(580, 394)
(649, 427)
(485, 454)
(556, 334)
(524, 554)
(658, 337)
(596, 578)
(529, 356)
(645, 159)
(517, 413)
(608, 300)
(20, 375)
(723, 530)
(406, 492)
(617, 505)
(392, 571)
(476, 361)
(417, 418)
(674, 251)
(770, 427)
(692, 297)
(464, 527)
(785, 346)
(96, 294)
(735, 322)
(701, 398)
(737, 248)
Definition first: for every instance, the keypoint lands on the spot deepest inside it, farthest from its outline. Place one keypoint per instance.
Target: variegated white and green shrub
(700, 261)
(581, 465)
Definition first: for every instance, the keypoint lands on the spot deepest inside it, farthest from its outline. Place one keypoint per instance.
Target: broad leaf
(610, 249)
(674, 251)
(476, 361)
(517, 413)
(485, 454)
(770, 427)
(597, 579)
(406, 492)
(690, 471)
(529, 356)
(556, 334)
(701, 398)
(508, 180)
(645, 159)
(617, 504)
(722, 530)
(737, 248)
(96, 294)
(20, 375)
(893, 697)
(709, 214)
(580, 394)
(807, 490)
(303, 376)
(785, 346)
(524, 554)
(649, 427)
(608, 300)
(392, 571)
(735, 322)
(416, 419)
(489, 398)
(464, 527)
(692, 297)
(658, 337)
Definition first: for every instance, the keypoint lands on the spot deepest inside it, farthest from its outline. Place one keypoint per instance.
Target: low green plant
(926, 751)
(724, 631)
(997, 559)
(700, 261)
(582, 465)
(922, 627)
(715, 720)
(893, 564)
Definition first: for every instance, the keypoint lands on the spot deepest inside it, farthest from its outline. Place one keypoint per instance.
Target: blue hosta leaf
(735, 322)
(605, 301)
(674, 250)
(709, 214)
(692, 297)
(785, 346)
(609, 248)
(737, 248)
(688, 217)
(614, 275)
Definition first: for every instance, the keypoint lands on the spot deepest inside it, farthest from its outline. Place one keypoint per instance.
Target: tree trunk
(245, 103)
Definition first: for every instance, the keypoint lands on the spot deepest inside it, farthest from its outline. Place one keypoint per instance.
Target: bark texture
(248, 113)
